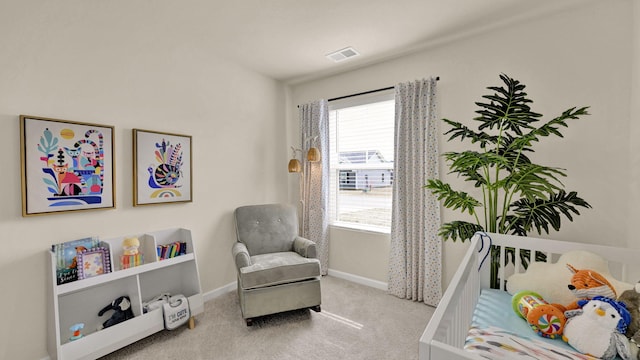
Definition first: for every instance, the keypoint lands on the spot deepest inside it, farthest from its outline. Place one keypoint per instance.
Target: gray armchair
(277, 269)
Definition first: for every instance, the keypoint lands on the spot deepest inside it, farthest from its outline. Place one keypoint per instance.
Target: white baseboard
(359, 279)
(219, 291)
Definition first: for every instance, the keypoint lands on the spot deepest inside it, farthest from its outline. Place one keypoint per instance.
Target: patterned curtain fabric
(415, 255)
(314, 127)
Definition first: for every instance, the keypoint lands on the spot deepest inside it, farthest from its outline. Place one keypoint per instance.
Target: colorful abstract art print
(161, 168)
(66, 166)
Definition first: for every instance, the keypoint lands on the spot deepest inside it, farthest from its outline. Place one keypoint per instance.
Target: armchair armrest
(304, 247)
(241, 255)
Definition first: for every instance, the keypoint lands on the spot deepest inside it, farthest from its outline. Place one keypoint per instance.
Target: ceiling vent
(343, 54)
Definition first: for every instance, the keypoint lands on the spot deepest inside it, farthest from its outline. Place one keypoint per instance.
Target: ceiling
(283, 39)
(288, 39)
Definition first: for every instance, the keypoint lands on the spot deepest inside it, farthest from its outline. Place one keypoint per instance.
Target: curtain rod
(367, 92)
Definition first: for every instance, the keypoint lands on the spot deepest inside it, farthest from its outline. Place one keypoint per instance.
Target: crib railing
(621, 260)
(447, 330)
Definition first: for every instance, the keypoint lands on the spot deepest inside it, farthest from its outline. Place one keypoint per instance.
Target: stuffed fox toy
(585, 284)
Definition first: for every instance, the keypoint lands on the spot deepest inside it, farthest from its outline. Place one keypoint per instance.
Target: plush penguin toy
(122, 312)
(598, 328)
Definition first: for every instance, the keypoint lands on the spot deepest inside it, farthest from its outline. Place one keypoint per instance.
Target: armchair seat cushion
(277, 268)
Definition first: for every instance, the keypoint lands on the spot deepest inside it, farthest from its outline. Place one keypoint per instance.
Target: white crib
(445, 334)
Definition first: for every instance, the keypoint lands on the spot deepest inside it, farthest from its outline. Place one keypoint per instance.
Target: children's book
(171, 250)
(66, 260)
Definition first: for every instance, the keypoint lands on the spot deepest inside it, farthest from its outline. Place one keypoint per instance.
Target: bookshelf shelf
(80, 301)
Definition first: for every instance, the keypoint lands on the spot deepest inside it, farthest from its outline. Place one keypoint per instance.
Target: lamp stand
(301, 203)
(313, 155)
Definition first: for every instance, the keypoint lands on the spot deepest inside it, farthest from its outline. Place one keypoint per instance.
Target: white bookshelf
(81, 300)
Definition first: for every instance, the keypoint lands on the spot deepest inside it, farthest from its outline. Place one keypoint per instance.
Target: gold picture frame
(162, 168)
(66, 166)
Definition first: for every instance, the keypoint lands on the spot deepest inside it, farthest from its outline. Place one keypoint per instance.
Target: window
(361, 161)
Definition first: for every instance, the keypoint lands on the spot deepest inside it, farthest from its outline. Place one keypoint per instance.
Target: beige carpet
(356, 322)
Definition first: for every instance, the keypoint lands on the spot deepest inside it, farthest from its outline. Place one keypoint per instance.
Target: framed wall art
(161, 168)
(66, 165)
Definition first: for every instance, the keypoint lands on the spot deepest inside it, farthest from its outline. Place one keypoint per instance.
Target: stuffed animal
(551, 279)
(598, 328)
(631, 299)
(122, 312)
(548, 320)
(587, 284)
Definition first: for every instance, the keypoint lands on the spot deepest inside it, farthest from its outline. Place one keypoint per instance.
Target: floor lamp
(295, 166)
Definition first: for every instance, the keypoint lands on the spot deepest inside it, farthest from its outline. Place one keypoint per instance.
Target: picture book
(171, 250)
(66, 257)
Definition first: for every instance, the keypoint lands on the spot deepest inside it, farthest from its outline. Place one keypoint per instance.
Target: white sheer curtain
(415, 257)
(314, 128)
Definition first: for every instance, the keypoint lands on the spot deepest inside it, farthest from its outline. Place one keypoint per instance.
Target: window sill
(361, 227)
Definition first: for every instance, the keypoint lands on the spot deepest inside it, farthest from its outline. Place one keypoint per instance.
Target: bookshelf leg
(192, 322)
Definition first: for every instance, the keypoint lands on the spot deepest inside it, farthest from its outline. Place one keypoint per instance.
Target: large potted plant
(517, 195)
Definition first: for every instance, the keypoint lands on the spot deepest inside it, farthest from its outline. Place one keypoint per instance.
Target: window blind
(361, 160)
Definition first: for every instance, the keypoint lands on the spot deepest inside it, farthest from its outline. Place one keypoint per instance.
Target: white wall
(76, 61)
(354, 256)
(573, 58)
(634, 134)
(90, 62)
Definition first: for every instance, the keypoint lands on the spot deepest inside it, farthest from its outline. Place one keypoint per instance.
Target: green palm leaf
(459, 230)
(460, 131)
(549, 128)
(508, 109)
(533, 181)
(472, 164)
(540, 213)
(452, 199)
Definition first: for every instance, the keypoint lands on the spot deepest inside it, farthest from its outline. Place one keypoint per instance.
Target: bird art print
(163, 167)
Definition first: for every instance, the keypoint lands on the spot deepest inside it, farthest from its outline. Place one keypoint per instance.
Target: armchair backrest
(267, 228)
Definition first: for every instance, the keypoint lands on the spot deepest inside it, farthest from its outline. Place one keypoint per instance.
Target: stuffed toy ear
(582, 302)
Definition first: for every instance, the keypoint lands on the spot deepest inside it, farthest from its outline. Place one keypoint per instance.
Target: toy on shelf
(130, 246)
(129, 261)
(598, 327)
(75, 330)
(131, 256)
(122, 312)
(545, 319)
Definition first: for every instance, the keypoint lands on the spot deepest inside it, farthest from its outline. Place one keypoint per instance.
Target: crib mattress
(497, 332)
